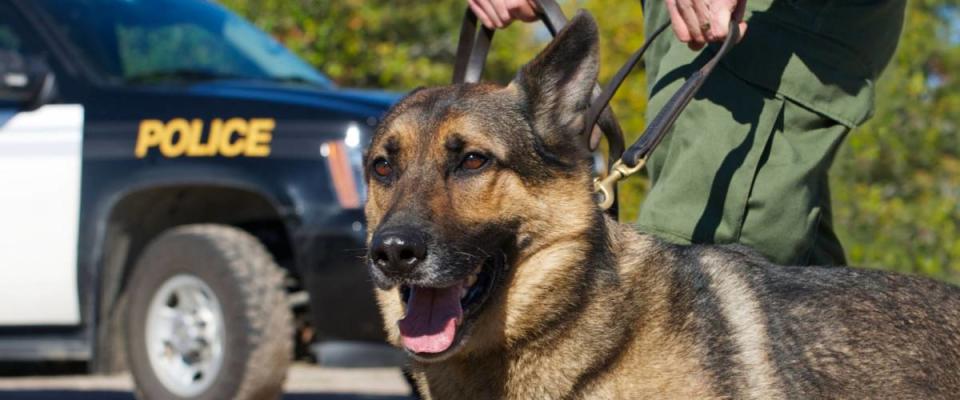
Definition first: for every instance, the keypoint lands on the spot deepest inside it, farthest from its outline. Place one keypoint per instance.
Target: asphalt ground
(304, 382)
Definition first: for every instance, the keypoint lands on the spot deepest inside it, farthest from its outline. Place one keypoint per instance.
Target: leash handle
(472, 50)
(634, 158)
(474, 46)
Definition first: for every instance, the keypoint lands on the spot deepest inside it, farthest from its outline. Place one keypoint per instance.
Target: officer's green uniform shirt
(747, 161)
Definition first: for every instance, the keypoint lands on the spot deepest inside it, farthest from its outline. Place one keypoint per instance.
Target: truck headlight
(345, 161)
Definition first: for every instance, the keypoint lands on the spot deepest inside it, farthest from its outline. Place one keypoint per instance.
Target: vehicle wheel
(208, 317)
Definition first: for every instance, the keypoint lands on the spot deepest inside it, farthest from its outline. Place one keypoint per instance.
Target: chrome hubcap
(185, 335)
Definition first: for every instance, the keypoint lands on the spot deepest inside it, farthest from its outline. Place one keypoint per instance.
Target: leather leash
(474, 46)
(636, 155)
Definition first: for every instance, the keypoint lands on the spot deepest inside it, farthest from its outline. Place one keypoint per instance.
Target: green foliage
(896, 183)
(377, 43)
(146, 50)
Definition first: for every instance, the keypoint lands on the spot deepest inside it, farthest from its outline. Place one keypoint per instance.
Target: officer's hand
(697, 22)
(500, 13)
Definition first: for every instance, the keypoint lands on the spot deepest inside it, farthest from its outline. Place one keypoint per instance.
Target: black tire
(247, 283)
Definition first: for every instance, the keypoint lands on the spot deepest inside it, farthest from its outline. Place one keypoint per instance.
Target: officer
(747, 161)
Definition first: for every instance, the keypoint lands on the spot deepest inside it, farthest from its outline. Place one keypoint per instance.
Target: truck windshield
(146, 41)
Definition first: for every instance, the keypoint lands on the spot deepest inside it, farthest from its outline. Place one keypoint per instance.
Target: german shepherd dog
(495, 270)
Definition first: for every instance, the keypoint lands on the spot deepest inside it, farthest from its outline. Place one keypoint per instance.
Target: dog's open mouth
(434, 320)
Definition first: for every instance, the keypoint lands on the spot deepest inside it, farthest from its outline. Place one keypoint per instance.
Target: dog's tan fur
(590, 308)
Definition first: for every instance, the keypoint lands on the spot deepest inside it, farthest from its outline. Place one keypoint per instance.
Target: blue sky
(952, 14)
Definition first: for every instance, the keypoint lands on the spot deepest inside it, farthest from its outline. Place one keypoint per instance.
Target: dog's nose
(397, 251)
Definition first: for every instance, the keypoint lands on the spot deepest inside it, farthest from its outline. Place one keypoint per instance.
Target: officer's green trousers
(747, 161)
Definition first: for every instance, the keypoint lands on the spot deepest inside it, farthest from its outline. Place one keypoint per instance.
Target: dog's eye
(473, 161)
(382, 167)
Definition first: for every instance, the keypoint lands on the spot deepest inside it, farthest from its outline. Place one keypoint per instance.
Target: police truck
(179, 195)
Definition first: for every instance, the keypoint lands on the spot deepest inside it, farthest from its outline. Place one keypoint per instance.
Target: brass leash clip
(606, 186)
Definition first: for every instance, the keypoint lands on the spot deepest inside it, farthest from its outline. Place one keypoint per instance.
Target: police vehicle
(179, 195)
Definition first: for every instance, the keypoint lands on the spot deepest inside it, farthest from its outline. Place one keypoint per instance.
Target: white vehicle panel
(40, 161)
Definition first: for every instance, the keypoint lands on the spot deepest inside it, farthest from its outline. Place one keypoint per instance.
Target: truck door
(40, 155)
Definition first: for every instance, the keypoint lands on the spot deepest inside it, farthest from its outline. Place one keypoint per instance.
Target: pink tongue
(431, 320)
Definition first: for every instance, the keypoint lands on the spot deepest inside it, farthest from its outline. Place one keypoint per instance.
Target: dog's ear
(556, 86)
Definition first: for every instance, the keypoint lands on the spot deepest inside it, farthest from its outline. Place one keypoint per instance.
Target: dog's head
(477, 195)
